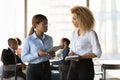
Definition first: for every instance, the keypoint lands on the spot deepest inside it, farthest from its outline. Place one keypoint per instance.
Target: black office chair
(9, 68)
(109, 67)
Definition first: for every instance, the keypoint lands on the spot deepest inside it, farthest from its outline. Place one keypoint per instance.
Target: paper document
(55, 48)
(70, 57)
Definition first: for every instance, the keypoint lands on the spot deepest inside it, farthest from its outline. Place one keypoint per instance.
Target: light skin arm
(86, 56)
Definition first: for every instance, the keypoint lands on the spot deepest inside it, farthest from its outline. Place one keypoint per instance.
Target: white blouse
(85, 44)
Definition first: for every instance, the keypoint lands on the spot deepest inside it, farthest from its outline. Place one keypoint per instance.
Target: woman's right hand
(74, 59)
(71, 53)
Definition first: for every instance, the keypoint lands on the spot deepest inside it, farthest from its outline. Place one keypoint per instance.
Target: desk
(108, 65)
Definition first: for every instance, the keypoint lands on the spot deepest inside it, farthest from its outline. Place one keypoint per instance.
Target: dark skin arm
(42, 53)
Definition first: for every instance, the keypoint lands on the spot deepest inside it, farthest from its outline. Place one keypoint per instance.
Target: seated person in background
(63, 64)
(9, 57)
(18, 51)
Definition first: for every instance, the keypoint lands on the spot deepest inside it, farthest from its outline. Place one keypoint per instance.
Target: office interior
(16, 16)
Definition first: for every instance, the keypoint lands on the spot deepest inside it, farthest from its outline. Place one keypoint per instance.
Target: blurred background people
(19, 49)
(9, 57)
(63, 64)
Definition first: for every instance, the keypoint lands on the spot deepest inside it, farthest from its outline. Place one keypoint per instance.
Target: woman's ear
(36, 26)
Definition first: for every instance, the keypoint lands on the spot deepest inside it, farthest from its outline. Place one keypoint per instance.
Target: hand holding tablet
(55, 48)
(72, 57)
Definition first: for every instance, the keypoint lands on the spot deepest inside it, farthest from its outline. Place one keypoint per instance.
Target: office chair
(9, 68)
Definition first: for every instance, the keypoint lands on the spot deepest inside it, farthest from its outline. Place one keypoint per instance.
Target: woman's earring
(34, 29)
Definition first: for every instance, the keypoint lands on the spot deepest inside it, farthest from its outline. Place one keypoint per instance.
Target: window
(107, 15)
(11, 20)
(58, 14)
